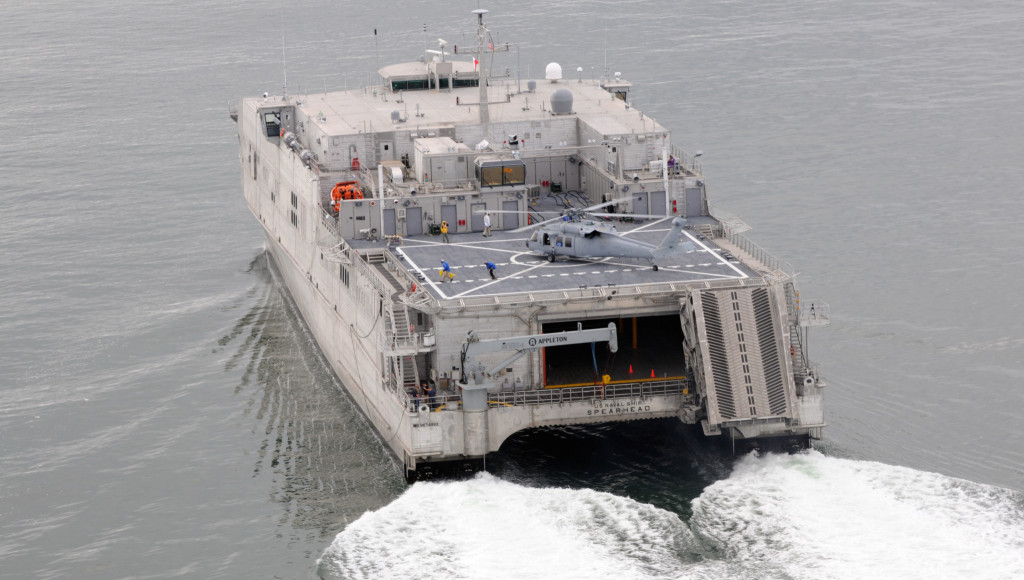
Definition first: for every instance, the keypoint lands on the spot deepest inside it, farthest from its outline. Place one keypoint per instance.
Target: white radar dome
(553, 72)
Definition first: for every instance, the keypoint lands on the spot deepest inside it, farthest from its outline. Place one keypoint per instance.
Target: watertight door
(658, 203)
(694, 207)
(509, 221)
(448, 214)
(640, 203)
(476, 211)
(413, 221)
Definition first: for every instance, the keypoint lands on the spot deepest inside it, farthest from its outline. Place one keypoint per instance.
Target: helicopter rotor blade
(479, 212)
(605, 204)
(632, 215)
(537, 224)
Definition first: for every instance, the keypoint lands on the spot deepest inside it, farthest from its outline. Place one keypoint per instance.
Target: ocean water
(164, 413)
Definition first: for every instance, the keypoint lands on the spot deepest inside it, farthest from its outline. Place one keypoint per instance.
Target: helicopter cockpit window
(534, 237)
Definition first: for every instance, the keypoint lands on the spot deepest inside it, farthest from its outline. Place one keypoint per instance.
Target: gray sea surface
(165, 414)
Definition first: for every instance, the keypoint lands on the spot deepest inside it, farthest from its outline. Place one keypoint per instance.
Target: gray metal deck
(521, 271)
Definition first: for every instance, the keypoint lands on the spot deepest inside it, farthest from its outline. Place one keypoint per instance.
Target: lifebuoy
(808, 381)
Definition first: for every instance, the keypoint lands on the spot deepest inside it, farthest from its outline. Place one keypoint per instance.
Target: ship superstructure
(374, 202)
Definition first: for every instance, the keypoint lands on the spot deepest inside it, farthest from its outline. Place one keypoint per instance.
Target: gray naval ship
(476, 255)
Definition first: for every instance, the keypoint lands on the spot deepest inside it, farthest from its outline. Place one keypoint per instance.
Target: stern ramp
(735, 343)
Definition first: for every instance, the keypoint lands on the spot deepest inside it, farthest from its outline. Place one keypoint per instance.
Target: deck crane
(474, 393)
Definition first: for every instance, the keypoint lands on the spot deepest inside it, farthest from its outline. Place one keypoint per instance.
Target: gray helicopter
(576, 235)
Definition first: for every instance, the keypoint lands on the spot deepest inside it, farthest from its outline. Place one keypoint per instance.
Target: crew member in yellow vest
(444, 231)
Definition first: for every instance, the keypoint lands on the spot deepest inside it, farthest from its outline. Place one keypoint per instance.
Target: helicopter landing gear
(655, 267)
(551, 257)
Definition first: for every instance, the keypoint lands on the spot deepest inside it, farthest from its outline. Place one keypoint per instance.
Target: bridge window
(272, 120)
(496, 172)
(410, 85)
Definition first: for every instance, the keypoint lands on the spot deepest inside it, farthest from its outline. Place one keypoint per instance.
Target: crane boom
(522, 344)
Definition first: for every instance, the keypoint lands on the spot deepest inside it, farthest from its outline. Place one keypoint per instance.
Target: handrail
(592, 392)
(636, 390)
(755, 251)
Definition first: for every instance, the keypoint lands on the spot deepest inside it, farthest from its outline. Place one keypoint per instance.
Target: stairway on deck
(407, 362)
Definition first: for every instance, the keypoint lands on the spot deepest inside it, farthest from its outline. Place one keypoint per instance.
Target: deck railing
(636, 390)
(591, 392)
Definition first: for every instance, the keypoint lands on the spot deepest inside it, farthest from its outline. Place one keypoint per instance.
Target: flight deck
(520, 270)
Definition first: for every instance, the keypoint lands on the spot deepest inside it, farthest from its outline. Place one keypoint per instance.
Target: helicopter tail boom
(673, 242)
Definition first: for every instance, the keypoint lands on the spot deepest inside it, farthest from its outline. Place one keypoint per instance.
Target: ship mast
(482, 72)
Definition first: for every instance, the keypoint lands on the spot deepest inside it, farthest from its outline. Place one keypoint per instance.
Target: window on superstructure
(490, 176)
(411, 85)
(272, 120)
(255, 164)
(295, 200)
(343, 273)
(295, 219)
(514, 174)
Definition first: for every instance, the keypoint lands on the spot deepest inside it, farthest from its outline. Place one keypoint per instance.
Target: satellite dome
(553, 72)
(561, 102)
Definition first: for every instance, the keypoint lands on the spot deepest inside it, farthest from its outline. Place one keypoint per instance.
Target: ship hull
(328, 329)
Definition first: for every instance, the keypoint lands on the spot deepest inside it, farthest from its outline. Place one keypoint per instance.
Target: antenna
(606, 52)
(376, 47)
(482, 71)
(519, 88)
(284, 60)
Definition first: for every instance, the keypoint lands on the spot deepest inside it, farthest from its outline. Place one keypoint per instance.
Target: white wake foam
(489, 528)
(811, 516)
(778, 516)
